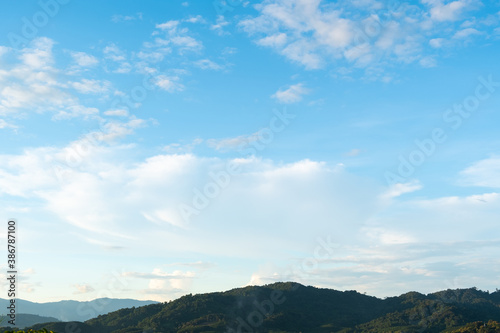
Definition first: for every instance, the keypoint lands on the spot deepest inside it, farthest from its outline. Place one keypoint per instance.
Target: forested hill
(291, 307)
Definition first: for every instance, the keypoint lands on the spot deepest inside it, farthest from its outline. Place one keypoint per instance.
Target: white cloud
(297, 20)
(371, 4)
(484, 173)
(236, 143)
(448, 12)
(354, 152)
(396, 240)
(86, 86)
(153, 56)
(276, 40)
(443, 219)
(163, 283)
(397, 190)
(124, 18)
(186, 42)
(75, 111)
(361, 55)
(178, 37)
(4, 124)
(195, 19)
(114, 130)
(465, 33)
(83, 59)
(114, 53)
(202, 265)
(314, 34)
(219, 25)
(84, 174)
(160, 274)
(177, 148)
(208, 64)
(386, 269)
(388, 237)
(408, 50)
(118, 57)
(428, 62)
(3, 50)
(292, 94)
(83, 289)
(35, 89)
(169, 83)
(169, 25)
(23, 174)
(437, 42)
(117, 112)
(302, 51)
(39, 53)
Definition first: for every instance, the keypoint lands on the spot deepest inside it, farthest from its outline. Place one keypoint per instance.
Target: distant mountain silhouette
(291, 307)
(25, 320)
(74, 310)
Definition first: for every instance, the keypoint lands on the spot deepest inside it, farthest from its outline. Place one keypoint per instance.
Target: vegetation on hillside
(30, 331)
(480, 327)
(292, 308)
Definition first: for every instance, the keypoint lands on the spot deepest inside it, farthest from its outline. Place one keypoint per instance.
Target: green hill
(291, 307)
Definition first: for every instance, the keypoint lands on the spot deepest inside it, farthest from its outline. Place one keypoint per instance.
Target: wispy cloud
(451, 11)
(315, 35)
(84, 59)
(35, 85)
(169, 83)
(83, 289)
(195, 19)
(178, 37)
(124, 18)
(118, 58)
(208, 64)
(292, 94)
(465, 33)
(219, 25)
(484, 173)
(4, 124)
(236, 143)
(398, 189)
(117, 112)
(86, 86)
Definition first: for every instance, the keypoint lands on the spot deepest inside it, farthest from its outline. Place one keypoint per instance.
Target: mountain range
(25, 320)
(70, 310)
(287, 307)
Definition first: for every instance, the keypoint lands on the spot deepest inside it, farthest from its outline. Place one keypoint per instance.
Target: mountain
(74, 310)
(288, 307)
(25, 320)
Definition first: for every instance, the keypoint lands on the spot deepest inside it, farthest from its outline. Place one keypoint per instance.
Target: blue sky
(157, 148)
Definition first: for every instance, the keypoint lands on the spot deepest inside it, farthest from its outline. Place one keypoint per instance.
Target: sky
(158, 148)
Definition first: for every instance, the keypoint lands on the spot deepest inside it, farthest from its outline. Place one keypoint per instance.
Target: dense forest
(291, 307)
